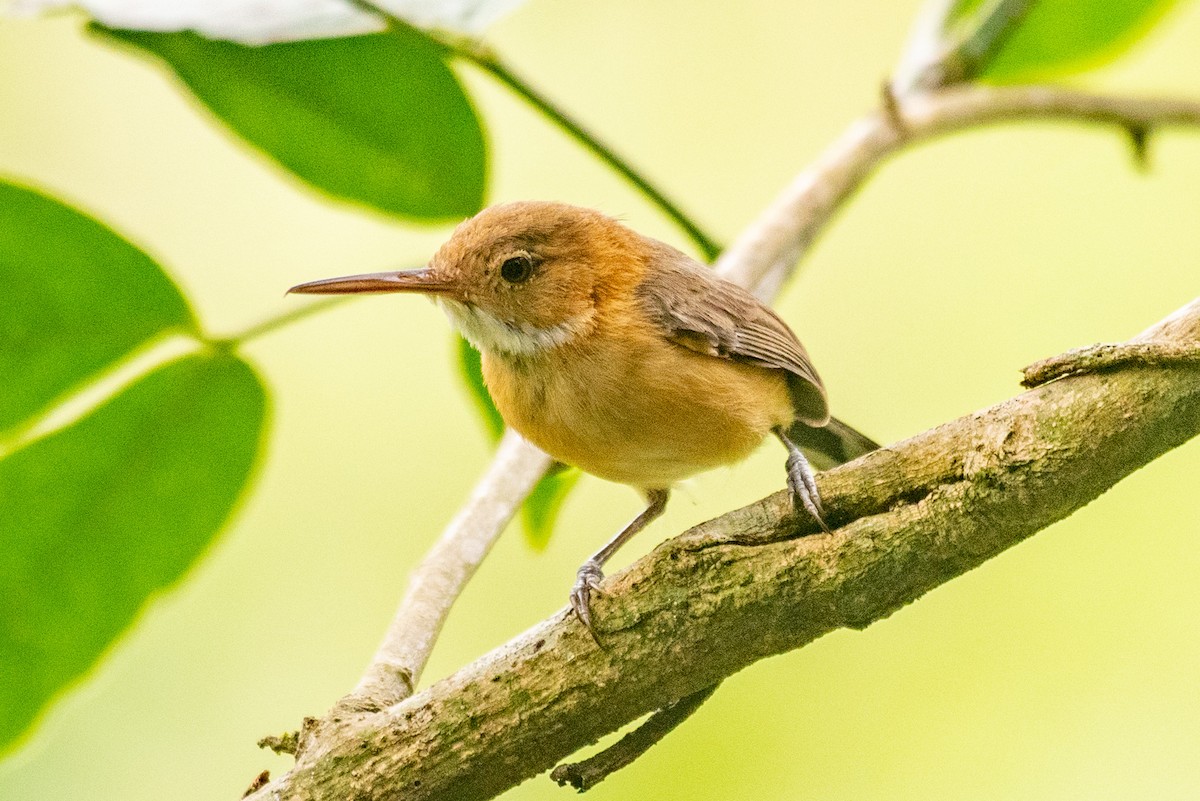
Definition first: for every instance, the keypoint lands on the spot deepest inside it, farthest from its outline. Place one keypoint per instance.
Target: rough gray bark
(761, 580)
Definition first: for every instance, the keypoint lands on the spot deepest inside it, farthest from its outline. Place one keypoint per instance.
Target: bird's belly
(637, 420)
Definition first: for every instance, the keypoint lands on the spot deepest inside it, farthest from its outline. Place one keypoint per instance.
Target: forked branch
(761, 581)
(762, 259)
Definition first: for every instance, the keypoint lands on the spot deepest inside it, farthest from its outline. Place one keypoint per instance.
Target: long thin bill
(422, 280)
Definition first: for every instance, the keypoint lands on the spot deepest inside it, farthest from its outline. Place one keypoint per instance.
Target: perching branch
(762, 258)
(761, 581)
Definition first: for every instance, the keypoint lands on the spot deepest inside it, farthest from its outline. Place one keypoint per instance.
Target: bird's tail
(831, 445)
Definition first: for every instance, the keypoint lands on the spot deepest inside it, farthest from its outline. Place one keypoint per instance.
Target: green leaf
(77, 297)
(1058, 37)
(99, 516)
(377, 119)
(472, 373)
(540, 511)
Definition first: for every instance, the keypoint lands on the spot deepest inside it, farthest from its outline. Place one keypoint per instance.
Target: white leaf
(263, 21)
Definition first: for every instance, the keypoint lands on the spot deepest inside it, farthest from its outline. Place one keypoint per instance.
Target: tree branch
(768, 249)
(761, 581)
(762, 258)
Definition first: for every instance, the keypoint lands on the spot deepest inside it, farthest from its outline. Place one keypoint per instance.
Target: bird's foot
(587, 579)
(803, 485)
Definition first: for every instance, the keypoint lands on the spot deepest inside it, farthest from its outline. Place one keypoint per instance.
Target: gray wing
(709, 315)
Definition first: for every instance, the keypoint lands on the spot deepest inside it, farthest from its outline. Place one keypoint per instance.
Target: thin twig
(515, 469)
(1096, 358)
(279, 321)
(925, 44)
(769, 248)
(595, 769)
(475, 52)
(490, 63)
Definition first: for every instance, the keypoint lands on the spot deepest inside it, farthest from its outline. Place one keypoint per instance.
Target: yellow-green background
(1065, 669)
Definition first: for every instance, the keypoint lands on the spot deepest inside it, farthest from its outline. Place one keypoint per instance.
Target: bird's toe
(803, 485)
(587, 581)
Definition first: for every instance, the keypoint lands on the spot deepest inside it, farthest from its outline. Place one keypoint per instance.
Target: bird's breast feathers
(638, 410)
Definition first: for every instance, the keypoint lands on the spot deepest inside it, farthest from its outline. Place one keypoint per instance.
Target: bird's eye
(517, 269)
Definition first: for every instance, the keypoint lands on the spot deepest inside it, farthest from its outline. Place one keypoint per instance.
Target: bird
(623, 356)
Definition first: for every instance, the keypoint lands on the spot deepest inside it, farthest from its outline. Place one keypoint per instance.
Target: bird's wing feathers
(704, 313)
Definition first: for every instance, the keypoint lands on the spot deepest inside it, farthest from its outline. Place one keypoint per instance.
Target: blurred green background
(1065, 669)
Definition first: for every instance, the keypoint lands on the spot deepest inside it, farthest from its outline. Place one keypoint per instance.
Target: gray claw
(587, 580)
(804, 488)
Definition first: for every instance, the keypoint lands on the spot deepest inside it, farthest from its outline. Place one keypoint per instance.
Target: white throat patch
(488, 332)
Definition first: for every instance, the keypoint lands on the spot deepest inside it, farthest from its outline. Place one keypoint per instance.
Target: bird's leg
(589, 575)
(801, 480)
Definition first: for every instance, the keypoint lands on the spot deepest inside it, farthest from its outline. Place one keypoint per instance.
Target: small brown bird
(621, 355)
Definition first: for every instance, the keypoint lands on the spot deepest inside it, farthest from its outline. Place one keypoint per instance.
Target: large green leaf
(98, 516)
(1063, 36)
(76, 298)
(377, 119)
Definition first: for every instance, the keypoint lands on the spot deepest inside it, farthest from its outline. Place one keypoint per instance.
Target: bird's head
(520, 277)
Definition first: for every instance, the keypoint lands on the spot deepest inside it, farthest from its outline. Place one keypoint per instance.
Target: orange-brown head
(519, 277)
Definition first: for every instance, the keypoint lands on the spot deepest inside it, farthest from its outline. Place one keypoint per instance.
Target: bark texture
(762, 580)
